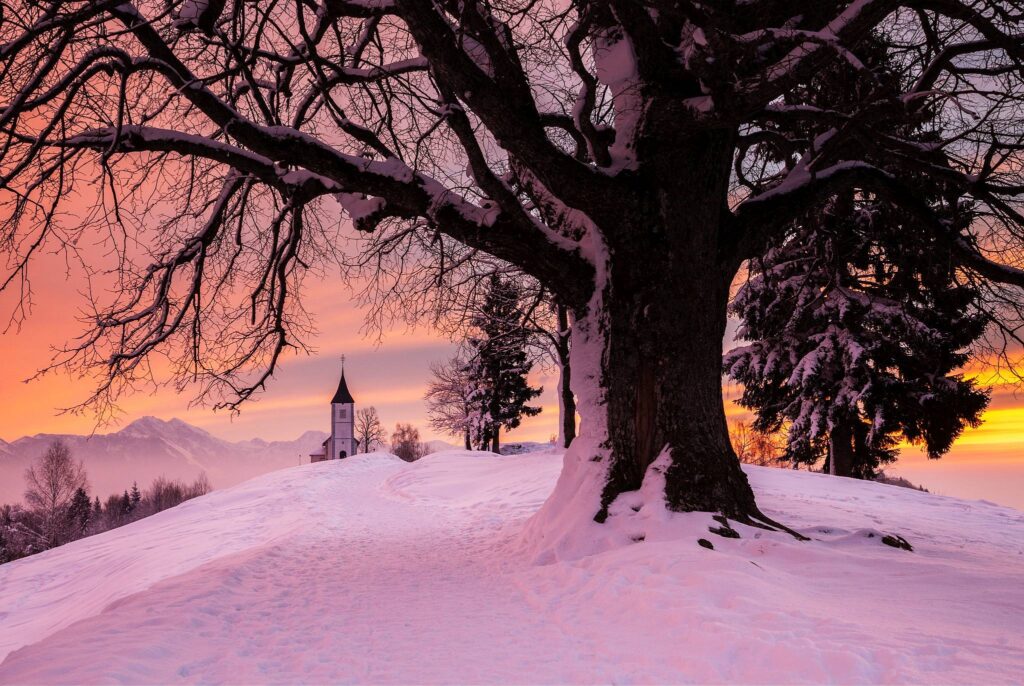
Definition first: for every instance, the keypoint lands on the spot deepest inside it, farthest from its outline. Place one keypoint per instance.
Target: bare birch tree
(50, 485)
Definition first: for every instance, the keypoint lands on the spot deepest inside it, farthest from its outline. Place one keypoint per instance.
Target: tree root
(760, 520)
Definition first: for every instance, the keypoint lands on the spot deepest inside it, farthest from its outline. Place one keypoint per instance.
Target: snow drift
(374, 570)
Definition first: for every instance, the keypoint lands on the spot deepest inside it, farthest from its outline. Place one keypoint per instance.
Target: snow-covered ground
(374, 570)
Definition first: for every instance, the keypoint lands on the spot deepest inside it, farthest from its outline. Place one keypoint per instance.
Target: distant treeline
(59, 508)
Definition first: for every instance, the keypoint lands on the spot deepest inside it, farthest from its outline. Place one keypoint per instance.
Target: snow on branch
(854, 20)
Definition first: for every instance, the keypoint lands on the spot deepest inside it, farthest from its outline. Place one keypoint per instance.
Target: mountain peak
(150, 425)
(146, 420)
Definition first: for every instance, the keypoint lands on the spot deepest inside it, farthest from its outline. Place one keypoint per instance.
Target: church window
(342, 413)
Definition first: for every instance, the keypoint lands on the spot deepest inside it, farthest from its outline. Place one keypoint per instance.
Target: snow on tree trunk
(564, 527)
(653, 438)
(566, 403)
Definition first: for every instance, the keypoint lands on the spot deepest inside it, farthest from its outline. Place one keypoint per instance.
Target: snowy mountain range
(151, 447)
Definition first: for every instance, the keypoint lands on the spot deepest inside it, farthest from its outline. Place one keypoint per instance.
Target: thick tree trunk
(495, 443)
(653, 434)
(567, 401)
(469, 445)
(840, 450)
(646, 360)
(662, 371)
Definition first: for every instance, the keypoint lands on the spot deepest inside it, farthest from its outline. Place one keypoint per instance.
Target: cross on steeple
(342, 364)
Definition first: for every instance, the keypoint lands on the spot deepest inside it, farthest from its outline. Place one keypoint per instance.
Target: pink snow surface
(373, 570)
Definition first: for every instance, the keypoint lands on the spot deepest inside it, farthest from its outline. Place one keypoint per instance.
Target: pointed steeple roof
(342, 395)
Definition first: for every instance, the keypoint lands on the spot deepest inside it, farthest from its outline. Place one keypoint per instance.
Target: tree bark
(646, 360)
(567, 402)
(653, 434)
(495, 443)
(670, 269)
(840, 449)
(662, 372)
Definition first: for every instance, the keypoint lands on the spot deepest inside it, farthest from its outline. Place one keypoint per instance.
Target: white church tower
(342, 442)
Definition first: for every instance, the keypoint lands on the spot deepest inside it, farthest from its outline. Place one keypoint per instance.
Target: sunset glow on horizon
(984, 463)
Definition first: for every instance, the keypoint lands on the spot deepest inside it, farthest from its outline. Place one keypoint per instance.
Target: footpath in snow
(372, 570)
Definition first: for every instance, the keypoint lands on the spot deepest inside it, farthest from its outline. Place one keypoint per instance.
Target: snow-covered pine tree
(856, 330)
(857, 317)
(497, 370)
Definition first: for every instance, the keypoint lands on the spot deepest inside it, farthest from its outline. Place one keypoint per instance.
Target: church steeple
(342, 442)
(342, 395)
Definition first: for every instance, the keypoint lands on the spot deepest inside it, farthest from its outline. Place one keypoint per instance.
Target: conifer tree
(856, 331)
(499, 365)
(79, 514)
(135, 496)
(857, 317)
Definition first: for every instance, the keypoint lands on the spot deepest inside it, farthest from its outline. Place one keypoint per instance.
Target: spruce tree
(856, 331)
(499, 365)
(857, 318)
(79, 514)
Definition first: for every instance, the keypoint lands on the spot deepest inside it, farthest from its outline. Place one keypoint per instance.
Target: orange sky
(985, 463)
(390, 376)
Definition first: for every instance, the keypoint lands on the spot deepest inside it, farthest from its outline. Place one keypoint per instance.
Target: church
(341, 442)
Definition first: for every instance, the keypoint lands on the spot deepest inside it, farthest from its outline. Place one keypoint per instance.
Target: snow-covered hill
(151, 447)
(375, 570)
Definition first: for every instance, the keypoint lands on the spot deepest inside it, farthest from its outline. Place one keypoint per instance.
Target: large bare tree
(630, 155)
